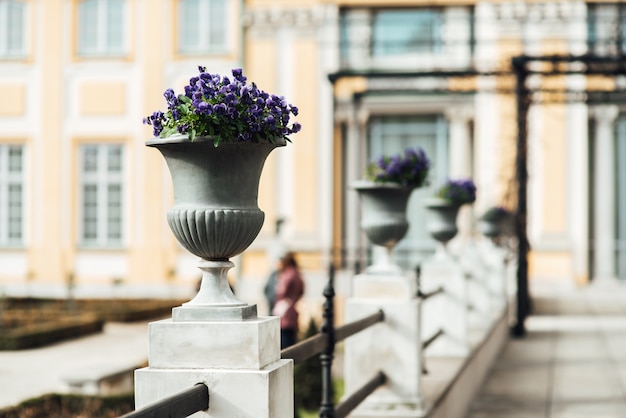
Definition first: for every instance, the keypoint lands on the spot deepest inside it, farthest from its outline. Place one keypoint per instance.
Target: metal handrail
(179, 405)
(354, 327)
(352, 401)
(432, 339)
(425, 296)
(305, 349)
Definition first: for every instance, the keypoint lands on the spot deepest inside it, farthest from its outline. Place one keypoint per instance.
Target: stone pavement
(571, 364)
(26, 374)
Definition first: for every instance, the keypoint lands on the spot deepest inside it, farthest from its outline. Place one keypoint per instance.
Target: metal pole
(327, 408)
(523, 104)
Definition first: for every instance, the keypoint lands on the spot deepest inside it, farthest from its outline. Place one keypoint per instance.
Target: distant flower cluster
(458, 192)
(227, 110)
(408, 170)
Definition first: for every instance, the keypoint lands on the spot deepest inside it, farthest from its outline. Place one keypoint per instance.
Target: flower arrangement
(227, 110)
(458, 192)
(408, 170)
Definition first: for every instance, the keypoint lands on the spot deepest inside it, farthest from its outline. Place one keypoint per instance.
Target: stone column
(448, 311)
(353, 173)
(392, 346)
(578, 190)
(460, 140)
(460, 157)
(604, 193)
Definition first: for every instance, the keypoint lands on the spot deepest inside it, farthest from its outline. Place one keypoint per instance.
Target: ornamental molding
(268, 20)
(520, 11)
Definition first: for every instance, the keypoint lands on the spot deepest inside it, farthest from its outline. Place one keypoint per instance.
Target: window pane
(217, 24)
(114, 212)
(11, 194)
(15, 28)
(15, 158)
(115, 158)
(90, 158)
(189, 31)
(403, 31)
(115, 26)
(88, 26)
(202, 25)
(102, 188)
(15, 213)
(90, 212)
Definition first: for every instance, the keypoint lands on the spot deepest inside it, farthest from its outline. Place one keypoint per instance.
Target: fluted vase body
(383, 218)
(441, 223)
(215, 215)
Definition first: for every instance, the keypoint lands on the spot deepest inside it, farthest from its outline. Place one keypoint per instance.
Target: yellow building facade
(83, 201)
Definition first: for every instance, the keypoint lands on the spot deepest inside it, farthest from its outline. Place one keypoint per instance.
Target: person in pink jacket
(289, 289)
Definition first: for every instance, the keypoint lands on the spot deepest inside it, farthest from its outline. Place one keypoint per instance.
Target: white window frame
(10, 27)
(102, 25)
(206, 44)
(101, 178)
(7, 179)
(451, 44)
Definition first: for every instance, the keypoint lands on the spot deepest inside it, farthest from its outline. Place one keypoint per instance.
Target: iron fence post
(327, 408)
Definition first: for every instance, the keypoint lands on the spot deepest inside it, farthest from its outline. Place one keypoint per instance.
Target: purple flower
(458, 192)
(225, 107)
(407, 170)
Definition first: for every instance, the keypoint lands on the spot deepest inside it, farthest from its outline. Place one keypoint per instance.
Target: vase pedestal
(392, 346)
(215, 300)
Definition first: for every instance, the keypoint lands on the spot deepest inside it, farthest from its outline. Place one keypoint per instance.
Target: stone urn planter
(215, 214)
(383, 219)
(496, 223)
(441, 222)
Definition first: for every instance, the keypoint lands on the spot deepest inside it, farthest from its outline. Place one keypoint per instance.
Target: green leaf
(192, 134)
(184, 98)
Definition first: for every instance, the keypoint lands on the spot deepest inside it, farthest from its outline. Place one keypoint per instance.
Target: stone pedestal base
(392, 346)
(447, 311)
(494, 258)
(239, 361)
(265, 393)
(480, 312)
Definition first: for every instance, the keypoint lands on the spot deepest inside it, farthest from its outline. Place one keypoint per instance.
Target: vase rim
(368, 184)
(184, 139)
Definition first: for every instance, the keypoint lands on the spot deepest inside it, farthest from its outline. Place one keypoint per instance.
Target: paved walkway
(571, 364)
(31, 373)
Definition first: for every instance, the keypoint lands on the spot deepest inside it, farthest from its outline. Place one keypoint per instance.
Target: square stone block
(368, 286)
(265, 393)
(249, 344)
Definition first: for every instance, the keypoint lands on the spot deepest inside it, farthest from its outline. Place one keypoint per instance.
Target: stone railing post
(393, 346)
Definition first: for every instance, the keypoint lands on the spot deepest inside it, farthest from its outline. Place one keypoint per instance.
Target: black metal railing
(323, 344)
(179, 405)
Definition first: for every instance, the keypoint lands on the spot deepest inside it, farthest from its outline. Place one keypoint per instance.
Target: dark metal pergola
(557, 65)
(524, 66)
